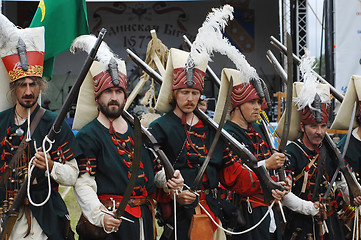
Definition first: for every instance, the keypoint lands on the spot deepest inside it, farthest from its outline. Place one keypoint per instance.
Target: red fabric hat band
(242, 93)
(35, 61)
(308, 118)
(103, 81)
(180, 79)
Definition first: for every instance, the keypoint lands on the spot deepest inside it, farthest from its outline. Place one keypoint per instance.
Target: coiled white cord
(47, 173)
(243, 232)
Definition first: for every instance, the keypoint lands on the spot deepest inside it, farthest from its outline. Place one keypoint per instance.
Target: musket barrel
(75, 89)
(277, 66)
(283, 49)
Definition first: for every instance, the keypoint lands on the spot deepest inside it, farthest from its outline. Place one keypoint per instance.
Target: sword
(197, 181)
(135, 166)
(152, 142)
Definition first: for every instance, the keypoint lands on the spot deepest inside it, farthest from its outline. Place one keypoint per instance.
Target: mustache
(28, 97)
(190, 104)
(113, 103)
(318, 136)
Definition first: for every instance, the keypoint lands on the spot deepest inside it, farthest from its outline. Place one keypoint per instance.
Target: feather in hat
(10, 35)
(210, 38)
(104, 54)
(311, 85)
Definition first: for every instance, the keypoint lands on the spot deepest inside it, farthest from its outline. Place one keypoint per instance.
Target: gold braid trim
(36, 70)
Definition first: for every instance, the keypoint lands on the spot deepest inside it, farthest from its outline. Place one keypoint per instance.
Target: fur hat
(187, 70)
(353, 94)
(310, 103)
(100, 77)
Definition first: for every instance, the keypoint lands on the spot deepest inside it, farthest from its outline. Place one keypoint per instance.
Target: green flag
(63, 20)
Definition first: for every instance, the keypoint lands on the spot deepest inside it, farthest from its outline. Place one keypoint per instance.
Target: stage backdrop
(347, 42)
(129, 25)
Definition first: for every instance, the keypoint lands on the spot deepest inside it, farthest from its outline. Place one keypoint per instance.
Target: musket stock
(353, 186)
(8, 224)
(247, 157)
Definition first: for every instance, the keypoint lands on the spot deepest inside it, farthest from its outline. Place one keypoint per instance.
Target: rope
(175, 214)
(243, 232)
(28, 132)
(47, 173)
(282, 213)
(355, 232)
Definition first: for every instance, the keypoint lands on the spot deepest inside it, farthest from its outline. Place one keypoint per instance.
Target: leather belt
(133, 202)
(211, 191)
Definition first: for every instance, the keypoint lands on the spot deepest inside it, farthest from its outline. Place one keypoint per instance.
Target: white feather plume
(104, 54)
(8, 32)
(210, 38)
(311, 85)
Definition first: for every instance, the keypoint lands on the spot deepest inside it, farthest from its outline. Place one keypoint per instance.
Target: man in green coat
(42, 217)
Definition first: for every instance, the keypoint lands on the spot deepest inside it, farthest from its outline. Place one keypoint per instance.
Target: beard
(111, 112)
(28, 104)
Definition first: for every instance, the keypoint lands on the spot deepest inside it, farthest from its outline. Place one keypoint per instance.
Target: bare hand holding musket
(111, 224)
(316, 205)
(176, 182)
(39, 161)
(186, 197)
(357, 200)
(275, 161)
(277, 194)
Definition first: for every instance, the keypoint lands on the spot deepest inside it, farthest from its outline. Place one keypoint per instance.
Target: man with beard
(26, 124)
(310, 163)
(107, 143)
(186, 140)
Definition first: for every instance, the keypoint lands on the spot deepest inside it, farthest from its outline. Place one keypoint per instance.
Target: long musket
(286, 128)
(247, 157)
(13, 212)
(354, 187)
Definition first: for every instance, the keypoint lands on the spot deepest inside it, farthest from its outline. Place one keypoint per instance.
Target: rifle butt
(354, 188)
(267, 183)
(8, 225)
(281, 174)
